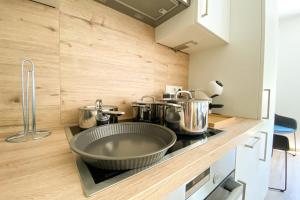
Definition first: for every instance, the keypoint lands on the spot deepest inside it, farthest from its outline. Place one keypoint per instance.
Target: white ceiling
(288, 7)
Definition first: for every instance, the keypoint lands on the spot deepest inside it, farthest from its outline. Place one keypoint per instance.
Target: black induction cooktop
(100, 175)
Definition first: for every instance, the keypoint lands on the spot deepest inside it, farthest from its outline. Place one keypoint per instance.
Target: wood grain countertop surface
(45, 169)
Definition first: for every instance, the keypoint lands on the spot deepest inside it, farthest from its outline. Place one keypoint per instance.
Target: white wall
(237, 64)
(288, 80)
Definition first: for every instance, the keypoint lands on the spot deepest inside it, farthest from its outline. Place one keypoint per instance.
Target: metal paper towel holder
(28, 133)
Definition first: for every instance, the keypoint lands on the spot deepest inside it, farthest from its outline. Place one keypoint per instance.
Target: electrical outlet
(172, 89)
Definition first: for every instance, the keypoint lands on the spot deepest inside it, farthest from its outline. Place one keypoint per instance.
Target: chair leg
(285, 175)
(295, 145)
(295, 140)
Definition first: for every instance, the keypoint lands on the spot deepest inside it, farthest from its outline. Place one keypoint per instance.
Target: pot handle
(173, 105)
(184, 92)
(150, 97)
(118, 113)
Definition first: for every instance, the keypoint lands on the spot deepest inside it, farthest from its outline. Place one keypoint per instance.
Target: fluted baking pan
(123, 146)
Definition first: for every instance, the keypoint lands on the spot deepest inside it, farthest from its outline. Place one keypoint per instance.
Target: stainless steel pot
(87, 115)
(192, 117)
(149, 111)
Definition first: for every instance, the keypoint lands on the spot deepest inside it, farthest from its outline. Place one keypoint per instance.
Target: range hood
(152, 12)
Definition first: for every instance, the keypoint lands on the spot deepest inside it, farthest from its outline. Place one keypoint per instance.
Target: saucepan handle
(184, 92)
(118, 113)
(149, 97)
(173, 105)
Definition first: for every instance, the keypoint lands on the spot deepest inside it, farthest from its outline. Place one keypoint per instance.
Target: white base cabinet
(253, 162)
(247, 165)
(264, 165)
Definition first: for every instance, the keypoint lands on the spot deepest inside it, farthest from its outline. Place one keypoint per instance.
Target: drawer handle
(251, 146)
(244, 188)
(266, 146)
(268, 108)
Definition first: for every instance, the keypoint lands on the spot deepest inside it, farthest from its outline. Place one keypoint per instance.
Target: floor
(277, 177)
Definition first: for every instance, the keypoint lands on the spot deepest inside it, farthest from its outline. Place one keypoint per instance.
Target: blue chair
(285, 125)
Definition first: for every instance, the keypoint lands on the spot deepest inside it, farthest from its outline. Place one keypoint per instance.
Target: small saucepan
(148, 111)
(87, 115)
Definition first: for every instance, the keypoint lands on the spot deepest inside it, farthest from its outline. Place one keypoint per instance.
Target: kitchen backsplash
(82, 51)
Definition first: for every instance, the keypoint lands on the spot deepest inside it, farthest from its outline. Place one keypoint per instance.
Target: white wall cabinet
(214, 16)
(203, 25)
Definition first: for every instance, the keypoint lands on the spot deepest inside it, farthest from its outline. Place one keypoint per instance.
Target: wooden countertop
(45, 169)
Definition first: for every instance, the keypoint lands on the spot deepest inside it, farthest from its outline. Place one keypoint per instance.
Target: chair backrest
(280, 142)
(285, 121)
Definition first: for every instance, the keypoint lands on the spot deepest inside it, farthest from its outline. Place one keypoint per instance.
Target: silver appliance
(152, 12)
(215, 183)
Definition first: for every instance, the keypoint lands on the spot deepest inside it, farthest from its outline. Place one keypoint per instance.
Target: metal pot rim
(192, 100)
(139, 105)
(91, 108)
(149, 103)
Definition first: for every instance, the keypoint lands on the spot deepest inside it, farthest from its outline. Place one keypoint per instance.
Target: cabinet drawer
(247, 164)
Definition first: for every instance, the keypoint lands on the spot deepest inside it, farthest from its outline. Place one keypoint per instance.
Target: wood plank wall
(29, 30)
(82, 51)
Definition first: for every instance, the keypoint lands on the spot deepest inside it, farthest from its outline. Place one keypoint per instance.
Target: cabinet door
(264, 166)
(247, 166)
(215, 16)
(268, 92)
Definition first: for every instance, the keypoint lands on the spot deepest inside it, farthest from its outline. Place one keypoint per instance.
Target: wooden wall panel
(29, 30)
(108, 55)
(82, 51)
